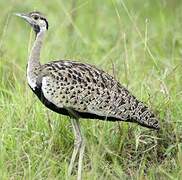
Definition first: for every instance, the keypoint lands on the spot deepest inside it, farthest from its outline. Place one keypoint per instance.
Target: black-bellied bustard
(80, 91)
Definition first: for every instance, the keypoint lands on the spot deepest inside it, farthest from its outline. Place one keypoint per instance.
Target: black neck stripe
(47, 25)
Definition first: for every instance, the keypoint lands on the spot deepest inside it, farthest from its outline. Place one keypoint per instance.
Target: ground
(138, 42)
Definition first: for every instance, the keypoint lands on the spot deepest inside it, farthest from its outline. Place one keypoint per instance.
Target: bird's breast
(32, 75)
(31, 82)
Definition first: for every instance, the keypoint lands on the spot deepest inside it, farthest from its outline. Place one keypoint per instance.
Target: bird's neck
(34, 59)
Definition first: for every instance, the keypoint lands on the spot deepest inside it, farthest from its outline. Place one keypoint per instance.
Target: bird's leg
(80, 160)
(78, 147)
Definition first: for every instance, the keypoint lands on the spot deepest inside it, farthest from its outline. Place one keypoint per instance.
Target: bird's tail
(143, 115)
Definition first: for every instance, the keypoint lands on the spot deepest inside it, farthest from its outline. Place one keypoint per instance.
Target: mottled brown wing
(86, 89)
(83, 88)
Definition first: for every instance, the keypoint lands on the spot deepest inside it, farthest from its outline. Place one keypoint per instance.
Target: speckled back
(84, 88)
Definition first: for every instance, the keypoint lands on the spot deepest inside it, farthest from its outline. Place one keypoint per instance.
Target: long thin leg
(76, 145)
(82, 149)
(79, 146)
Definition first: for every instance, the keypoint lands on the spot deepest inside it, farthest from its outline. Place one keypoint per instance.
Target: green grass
(138, 42)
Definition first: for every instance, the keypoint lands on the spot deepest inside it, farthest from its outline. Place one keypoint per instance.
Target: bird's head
(36, 20)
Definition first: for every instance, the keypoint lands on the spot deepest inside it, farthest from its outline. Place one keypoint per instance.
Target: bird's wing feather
(83, 88)
(88, 91)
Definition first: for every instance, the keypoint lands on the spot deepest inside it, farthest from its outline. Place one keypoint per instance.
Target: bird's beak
(25, 17)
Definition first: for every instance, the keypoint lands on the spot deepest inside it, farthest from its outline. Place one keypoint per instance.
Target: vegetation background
(138, 42)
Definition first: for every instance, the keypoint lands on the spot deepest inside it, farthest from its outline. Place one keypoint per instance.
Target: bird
(80, 90)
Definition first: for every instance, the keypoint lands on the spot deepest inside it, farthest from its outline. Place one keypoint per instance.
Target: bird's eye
(36, 17)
